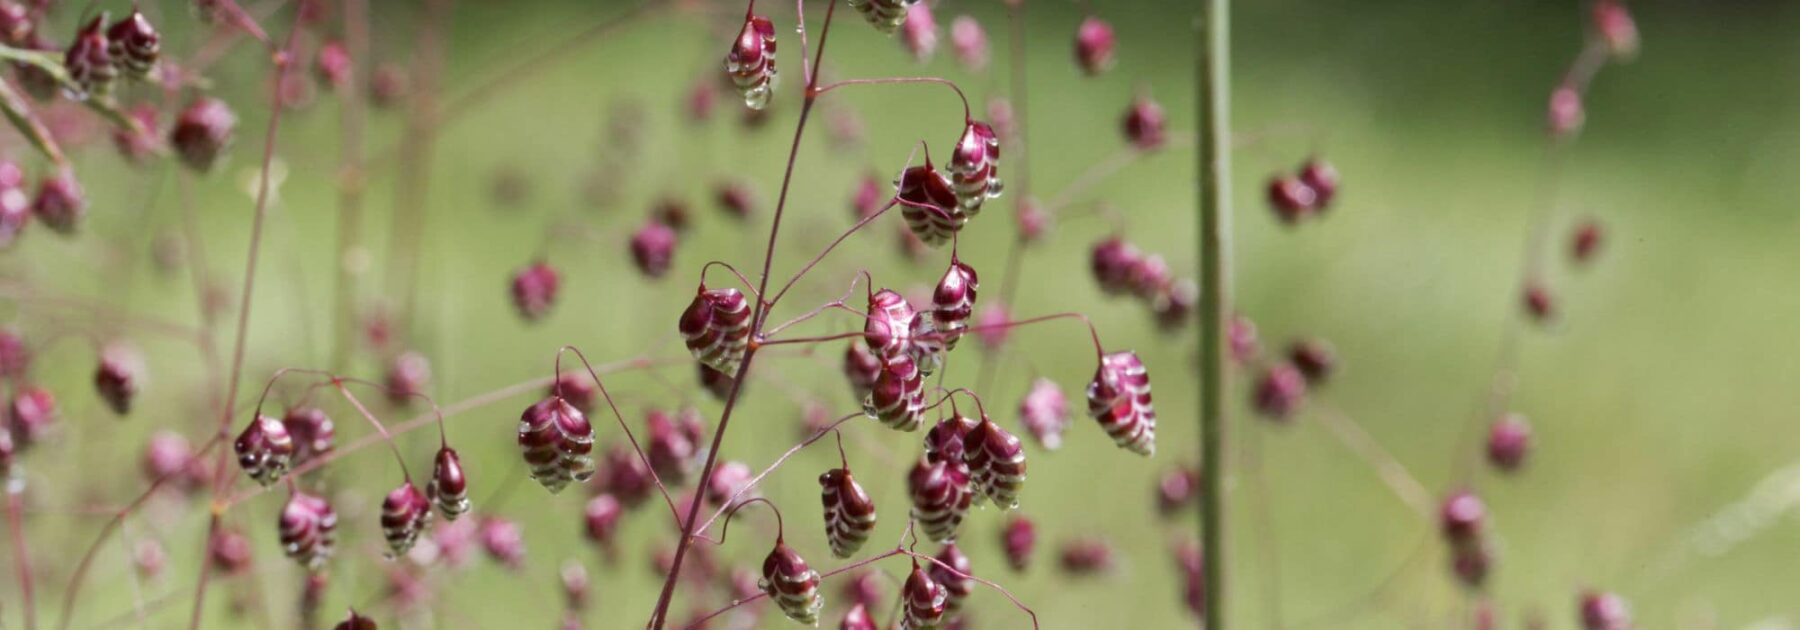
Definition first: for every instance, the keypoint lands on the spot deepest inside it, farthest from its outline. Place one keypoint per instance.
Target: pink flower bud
(90, 65)
(868, 198)
(1315, 359)
(1539, 303)
(60, 203)
(576, 388)
(1291, 199)
(575, 584)
(1145, 123)
(1279, 391)
(956, 587)
(1044, 413)
(1018, 537)
(970, 42)
(1600, 610)
(534, 290)
(857, 618)
(730, 484)
(670, 451)
(407, 376)
(1094, 43)
(1112, 261)
(653, 249)
(202, 132)
(118, 377)
(135, 146)
(919, 32)
(1566, 111)
(334, 67)
(1322, 178)
(229, 552)
(1087, 556)
(1462, 517)
(1586, 241)
(1614, 27)
(1177, 490)
(503, 541)
(601, 518)
(1509, 441)
(626, 476)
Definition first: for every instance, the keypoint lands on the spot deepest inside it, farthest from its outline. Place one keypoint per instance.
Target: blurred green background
(1661, 397)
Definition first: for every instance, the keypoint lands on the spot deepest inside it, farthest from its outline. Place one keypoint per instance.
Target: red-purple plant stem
(352, 181)
(406, 233)
(283, 62)
(659, 616)
(1213, 82)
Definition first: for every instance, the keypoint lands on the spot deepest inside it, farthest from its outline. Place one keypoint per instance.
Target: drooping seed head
(1178, 489)
(940, 495)
(404, 514)
(1087, 555)
(333, 66)
(534, 290)
(1322, 178)
(1613, 25)
(1314, 357)
(1471, 563)
(1119, 398)
(730, 484)
(1291, 199)
(919, 34)
(503, 541)
(996, 460)
(792, 584)
(449, 488)
(888, 330)
(118, 377)
(1279, 391)
(751, 62)
(1462, 517)
(956, 587)
(974, 166)
(556, 440)
(202, 132)
(60, 203)
(928, 201)
(1601, 610)
(953, 302)
(601, 519)
(1094, 44)
(313, 432)
(923, 601)
(1193, 577)
(1586, 241)
(716, 327)
(970, 43)
(1566, 112)
(576, 388)
(849, 512)
(134, 44)
(229, 552)
(1018, 538)
(407, 377)
(885, 15)
(307, 528)
(897, 398)
(670, 450)
(857, 618)
(653, 249)
(626, 476)
(1044, 412)
(136, 145)
(1509, 441)
(868, 197)
(1145, 124)
(264, 450)
(1112, 260)
(89, 63)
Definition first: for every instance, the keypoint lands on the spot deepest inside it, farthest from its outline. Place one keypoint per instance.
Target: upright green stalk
(1214, 74)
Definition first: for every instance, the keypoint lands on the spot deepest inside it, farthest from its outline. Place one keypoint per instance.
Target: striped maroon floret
(940, 496)
(264, 450)
(953, 302)
(1119, 398)
(929, 204)
(556, 440)
(404, 514)
(308, 530)
(716, 327)
(849, 512)
(974, 167)
(996, 461)
(751, 62)
(791, 584)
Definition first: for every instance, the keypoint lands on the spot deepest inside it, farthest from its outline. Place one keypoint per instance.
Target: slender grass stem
(1214, 130)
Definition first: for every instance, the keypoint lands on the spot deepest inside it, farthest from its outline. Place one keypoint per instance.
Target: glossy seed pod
(792, 585)
(307, 528)
(953, 302)
(922, 601)
(716, 327)
(974, 167)
(751, 62)
(1119, 398)
(929, 204)
(849, 512)
(449, 488)
(264, 450)
(556, 441)
(996, 461)
(940, 497)
(404, 514)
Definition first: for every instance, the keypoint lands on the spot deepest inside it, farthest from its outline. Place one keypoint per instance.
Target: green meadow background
(1663, 397)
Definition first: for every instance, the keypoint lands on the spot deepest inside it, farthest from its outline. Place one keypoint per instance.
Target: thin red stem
(834, 243)
(780, 526)
(283, 62)
(659, 615)
(629, 436)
